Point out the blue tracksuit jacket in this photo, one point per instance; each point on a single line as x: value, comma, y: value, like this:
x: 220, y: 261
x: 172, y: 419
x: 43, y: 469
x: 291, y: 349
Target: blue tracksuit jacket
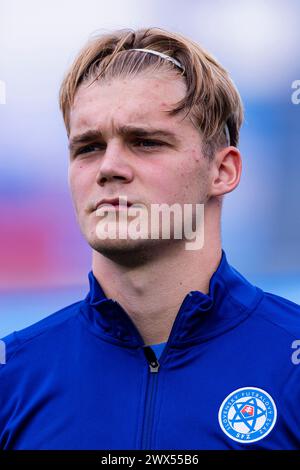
x: 227, y: 378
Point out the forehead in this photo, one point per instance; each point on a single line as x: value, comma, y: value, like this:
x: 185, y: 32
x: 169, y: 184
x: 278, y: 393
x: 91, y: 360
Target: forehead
x: 125, y: 101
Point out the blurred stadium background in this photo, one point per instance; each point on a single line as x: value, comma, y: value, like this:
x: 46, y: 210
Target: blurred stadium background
x: 44, y: 259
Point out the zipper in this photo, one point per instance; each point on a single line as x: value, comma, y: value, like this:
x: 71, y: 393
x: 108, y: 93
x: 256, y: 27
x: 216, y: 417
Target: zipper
x: 150, y: 397
x: 154, y: 366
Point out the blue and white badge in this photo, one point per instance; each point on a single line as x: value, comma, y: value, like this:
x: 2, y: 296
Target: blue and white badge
x: 247, y: 415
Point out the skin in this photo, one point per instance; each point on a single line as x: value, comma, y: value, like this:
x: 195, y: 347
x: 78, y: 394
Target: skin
x: 149, y: 278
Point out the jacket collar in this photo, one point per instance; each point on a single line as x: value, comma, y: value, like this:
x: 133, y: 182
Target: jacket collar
x: 230, y: 300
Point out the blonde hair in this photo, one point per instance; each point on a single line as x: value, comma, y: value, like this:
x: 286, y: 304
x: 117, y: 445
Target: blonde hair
x: 211, y: 99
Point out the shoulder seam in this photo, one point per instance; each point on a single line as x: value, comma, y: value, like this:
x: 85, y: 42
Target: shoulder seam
x: 248, y: 308
x: 27, y: 340
x: 268, y: 320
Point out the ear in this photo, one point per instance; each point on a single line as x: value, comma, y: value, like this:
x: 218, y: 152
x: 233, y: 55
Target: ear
x: 226, y: 171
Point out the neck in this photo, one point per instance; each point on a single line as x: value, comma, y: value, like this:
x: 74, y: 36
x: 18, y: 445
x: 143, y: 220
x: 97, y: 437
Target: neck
x: 152, y: 291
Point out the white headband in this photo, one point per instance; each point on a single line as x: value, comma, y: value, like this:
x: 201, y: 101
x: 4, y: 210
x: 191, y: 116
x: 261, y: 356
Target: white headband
x: 163, y: 56
x: 227, y: 133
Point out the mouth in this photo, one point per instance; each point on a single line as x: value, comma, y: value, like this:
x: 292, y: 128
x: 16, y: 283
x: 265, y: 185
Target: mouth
x: 118, y: 203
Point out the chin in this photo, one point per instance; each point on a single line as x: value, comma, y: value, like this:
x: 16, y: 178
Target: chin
x: 116, y: 245
x: 125, y: 252
x: 128, y: 252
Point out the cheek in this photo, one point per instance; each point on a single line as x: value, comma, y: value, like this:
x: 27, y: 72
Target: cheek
x: 173, y: 185
x: 72, y: 181
x: 78, y: 182
x: 190, y: 181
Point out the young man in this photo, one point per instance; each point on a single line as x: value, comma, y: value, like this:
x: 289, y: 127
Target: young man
x: 172, y: 348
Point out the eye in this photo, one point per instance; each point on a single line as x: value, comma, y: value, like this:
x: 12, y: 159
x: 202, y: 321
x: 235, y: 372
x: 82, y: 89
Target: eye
x: 148, y: 143
x: 89, y: 148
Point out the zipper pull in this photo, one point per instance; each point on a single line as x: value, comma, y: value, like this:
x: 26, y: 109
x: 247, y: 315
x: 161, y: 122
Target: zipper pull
x: 151, y: 358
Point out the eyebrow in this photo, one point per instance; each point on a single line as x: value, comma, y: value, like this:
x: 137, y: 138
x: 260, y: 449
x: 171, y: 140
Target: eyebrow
x: 94, y: 134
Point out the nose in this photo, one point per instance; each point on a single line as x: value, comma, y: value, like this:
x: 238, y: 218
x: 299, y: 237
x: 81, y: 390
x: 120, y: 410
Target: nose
x: 114, y: 165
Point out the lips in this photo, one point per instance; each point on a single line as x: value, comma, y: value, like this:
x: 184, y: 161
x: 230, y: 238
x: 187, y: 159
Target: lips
x: 118, y: 201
